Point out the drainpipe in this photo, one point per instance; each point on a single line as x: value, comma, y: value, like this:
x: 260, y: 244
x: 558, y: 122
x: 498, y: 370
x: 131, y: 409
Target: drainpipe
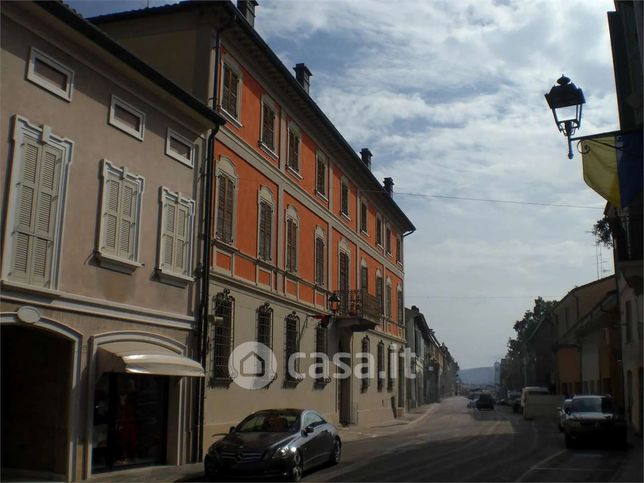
x: 205, y: 264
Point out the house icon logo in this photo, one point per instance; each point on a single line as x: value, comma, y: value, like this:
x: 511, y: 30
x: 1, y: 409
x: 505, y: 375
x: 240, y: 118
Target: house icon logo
x: 252, y: 365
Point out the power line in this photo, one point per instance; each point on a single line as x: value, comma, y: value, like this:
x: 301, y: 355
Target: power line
x: 480, y: 297
x: 513, y: 202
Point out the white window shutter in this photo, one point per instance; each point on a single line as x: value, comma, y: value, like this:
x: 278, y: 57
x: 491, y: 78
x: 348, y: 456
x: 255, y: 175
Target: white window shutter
x: 182, y: 240
x: 168, y: 233
x: 127, y: 221
x: 111, y: 213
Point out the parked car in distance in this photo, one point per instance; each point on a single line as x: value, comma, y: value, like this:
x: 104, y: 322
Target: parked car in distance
x: 484, y: 401
x: 514, y: 400
x: 472, y: 399
x: 280, y: 443
x: 563, y: 413
x: 594, y: 417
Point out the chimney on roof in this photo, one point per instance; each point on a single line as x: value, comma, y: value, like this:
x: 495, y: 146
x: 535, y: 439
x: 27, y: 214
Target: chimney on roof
x: 247, y: 9
x: 414, y: 308
x: 303, y: 75
x: 365, y: 154
x: 389, y: 186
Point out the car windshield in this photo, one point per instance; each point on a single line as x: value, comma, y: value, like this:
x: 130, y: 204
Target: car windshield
x: 592, y: 405
x: 287, y: 421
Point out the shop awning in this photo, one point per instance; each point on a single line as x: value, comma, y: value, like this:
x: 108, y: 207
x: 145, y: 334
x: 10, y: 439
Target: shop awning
x: 145, y: 358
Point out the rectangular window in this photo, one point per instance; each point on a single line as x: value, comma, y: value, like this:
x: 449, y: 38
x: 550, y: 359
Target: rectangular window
x: 344, y: 198
x: 179, y: 148
x: 365, y: 364
x: 230, y: 91
x: 120, y: 219
x: 268, y: 126
x: 293, y: 150
x: 127, y: 118
x: 398, y: 249
x: 401, y: 307
x: 265, y: 325
x: 343, y: 270
x: 378, y: 231
x: 388, y: 304
x: 225, y: 208
x: 176, y: 234
x: 291, y: 245
x: 39, y: 168
x: 319, y: 261
x: 50, y: 74
x: 320, y: 175
x: 290, y: 344
x: 363, y: 216
x: 321, y: 372
x: 388, y: 240
x: 222, y: 335
x: 628, y: 321
x: 380, y: 295
x: 265, y: 230
x: 364, y: 278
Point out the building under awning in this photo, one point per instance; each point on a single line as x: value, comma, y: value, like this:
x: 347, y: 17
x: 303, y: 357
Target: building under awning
x: 134, y: 357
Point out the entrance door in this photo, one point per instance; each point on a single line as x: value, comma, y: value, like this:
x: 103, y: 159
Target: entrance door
x: 344, y: 390
x: 130, y: 419
x: 36, y: 384
x: 401, y: 379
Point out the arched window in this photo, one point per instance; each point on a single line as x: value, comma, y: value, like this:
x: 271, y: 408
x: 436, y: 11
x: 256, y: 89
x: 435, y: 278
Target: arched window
x: 292, y: 239
x: 291, y: 345
x: 265, y: 325
x: 381, y: 366
x: 226, y: 200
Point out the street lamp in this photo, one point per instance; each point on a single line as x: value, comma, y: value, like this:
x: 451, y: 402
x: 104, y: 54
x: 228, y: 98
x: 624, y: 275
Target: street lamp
x: 566, y: 101
x: 334, y: 303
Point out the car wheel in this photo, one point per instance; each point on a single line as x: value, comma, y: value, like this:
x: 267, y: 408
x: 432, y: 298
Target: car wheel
x: 297, y: 467
x: 336, y: 452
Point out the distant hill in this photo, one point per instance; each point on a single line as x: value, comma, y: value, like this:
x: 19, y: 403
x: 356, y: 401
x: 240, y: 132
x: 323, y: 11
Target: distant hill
x: 477, y: 375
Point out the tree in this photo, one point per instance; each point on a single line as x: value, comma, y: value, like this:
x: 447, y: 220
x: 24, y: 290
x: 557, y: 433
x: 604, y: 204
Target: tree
x: 602, y: 233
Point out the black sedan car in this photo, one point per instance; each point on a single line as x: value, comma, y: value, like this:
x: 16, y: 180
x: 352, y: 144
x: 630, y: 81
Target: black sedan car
x: 484, y: 401
x: 274, y: 442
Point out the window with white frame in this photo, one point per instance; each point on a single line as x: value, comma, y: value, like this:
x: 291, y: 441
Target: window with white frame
x: 380, y: 292
x: 127, y: 118
x: 179, y: 147
x: 398, y: 249
x: 294, y: 140
x: 321, y: 174
x: 400, y: 305
x: 364, y: 276
x: 344, y: 197
x: 230, y: 89
x: 388, y: 240
x: 265, y: 228
x: 226, y: 200
x: 175, y: 248
x: 378, y: 230
x: 120, y: 218
x: 40, y: 167
x: 292, y: 229
x: 269, y: 125
x: 46, y: 72
x: 388, y: 298
x: 320, y: 257
x: 364, y: 217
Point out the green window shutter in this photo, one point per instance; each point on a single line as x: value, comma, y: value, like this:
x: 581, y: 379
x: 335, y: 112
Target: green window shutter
x: 182, y: 261
x: 228, y: 211
x: 127, y: 221
x: 111, y: 202
x: 36, y: 213
x: 169, y: 234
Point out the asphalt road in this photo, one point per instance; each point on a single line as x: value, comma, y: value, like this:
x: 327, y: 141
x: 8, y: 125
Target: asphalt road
x: 455, y: 443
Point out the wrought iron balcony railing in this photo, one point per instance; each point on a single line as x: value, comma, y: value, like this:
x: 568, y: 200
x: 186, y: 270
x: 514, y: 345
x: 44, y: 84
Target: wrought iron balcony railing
x: 359, y: 304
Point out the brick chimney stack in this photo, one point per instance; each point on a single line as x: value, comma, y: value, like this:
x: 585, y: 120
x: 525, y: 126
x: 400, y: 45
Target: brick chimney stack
x: 303, y: 75
x: 365, y: 154
x: 389, y: 186
x: 247, y: 9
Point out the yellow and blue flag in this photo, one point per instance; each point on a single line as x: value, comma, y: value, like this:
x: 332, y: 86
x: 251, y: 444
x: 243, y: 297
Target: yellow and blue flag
x: 612, y: 165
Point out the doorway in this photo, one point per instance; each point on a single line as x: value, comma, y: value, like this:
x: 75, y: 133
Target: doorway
x: 36, y: 384
x: 130, y: 421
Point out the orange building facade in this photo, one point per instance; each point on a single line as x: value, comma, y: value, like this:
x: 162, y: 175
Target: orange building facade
x: 297, y: 217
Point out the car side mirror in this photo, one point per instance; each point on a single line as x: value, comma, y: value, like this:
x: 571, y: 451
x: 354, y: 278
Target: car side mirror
x: 232, y: 429
x: 309, y: 429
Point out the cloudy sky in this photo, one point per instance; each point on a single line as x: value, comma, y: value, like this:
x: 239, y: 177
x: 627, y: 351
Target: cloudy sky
x: 448, y: 96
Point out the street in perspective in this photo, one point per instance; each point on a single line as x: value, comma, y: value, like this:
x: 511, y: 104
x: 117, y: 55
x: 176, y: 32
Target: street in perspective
x: 321, y: 240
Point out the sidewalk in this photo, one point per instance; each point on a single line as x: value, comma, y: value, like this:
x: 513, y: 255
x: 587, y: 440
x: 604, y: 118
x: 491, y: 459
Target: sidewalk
x: 194, y: 471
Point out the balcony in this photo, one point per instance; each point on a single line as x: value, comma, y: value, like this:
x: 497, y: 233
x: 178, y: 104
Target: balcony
x: 358, y: 310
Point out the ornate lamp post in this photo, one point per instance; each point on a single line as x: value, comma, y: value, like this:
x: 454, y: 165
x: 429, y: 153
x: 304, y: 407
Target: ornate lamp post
x: 566, y: 101
x: 334, y: 303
